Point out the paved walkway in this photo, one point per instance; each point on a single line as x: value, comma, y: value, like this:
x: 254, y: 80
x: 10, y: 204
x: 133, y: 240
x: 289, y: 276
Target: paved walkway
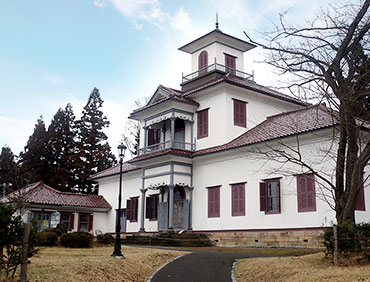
x: 201, y: 266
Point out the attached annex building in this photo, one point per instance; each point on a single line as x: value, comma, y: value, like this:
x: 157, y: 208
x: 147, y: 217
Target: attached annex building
x: 205, y: 162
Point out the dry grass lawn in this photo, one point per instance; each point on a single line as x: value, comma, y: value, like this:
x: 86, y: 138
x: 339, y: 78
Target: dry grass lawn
x: 62, y: 264
x: 304, y: 268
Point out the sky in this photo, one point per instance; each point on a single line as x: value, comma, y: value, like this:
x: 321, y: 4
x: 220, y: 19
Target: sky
x: 55, y: 52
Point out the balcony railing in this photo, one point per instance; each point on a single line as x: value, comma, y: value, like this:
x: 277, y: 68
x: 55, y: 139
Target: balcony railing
x: 187, y: 146
x: 214, y: 67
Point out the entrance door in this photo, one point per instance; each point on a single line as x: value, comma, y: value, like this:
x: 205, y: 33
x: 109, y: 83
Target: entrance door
x: 180, y: 209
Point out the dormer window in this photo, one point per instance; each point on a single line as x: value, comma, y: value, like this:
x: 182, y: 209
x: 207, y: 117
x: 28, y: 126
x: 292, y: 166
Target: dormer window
x: 203, y: 62
x: 230, y: 64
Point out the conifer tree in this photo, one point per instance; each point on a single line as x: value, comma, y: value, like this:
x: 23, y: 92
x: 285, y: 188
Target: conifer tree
x: 94, y: 152
x: 62, y: 149
x: 8, y: 169
x: 34, y: 160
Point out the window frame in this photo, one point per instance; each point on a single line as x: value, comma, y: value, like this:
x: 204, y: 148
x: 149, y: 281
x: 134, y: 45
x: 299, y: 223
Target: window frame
x: 215, y: 212
x: 264, y: 198
x: 71, y: 220
x: 307, y: 178
x: 202, y: 123
x: 237, y: 201
x: 238, y: 104
x: 89, y: 222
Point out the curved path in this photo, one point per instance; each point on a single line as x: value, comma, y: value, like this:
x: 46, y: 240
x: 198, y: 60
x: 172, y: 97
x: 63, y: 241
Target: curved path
x: 200, y: 266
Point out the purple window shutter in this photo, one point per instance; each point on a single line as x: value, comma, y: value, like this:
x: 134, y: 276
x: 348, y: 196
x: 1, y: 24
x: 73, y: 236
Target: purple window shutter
x: 200, y: 125
x: 301, y: 192
x: 148, y: 207
x: 210, y: 202
x: 128, y: 209
x: 205, y: 125
x: 263, y: 196
x: 311, y: 193
x: 91, y: 220
x: 235, y: 200
x: 217, y: 202
x: 242, y: 199
x: 150, y: 136
x: 236, y: 112
x: 242, y: 114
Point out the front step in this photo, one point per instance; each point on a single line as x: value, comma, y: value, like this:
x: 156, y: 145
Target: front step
x: 169, y: 239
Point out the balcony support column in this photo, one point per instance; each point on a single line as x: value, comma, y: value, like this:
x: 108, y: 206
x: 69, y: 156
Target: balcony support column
x: 145, y: 137
x: 192, y: 135
x: 173, y: 130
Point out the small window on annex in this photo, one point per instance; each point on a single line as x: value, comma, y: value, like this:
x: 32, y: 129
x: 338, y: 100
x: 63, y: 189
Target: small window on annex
x: 306, y: 194
x: 85, y: 222
x: 68, y: 219
x: 270, y: 196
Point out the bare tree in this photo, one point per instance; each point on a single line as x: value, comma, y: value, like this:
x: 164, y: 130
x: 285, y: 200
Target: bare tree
x: 131, y: 131
x: 327, y: 60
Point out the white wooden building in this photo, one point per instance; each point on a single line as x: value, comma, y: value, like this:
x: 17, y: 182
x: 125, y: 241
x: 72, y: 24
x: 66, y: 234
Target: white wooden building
x: 202, y: 163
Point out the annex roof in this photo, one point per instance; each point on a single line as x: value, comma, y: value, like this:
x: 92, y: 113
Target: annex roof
x: 40, y: 193
x: 217, y: 35
x: 126, y: 167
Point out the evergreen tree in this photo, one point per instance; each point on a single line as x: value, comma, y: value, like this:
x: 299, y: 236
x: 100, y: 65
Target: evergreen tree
x: 8, y: 170
x: 62, y: 149
x: 94, y: 152
x: 34, y: 160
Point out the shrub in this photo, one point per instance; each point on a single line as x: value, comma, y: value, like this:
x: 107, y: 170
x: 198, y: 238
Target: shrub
x: 45, y: 238
x: 351, y: 238
x: 105, y: 239
x: 54, y: 230
x: 77, y: 240
x: 63, y: 227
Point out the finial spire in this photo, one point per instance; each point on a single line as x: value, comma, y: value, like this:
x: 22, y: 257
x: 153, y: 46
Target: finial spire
x: 216, y: 20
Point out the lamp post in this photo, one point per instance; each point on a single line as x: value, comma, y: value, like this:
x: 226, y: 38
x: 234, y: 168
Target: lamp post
x: 117, y: 244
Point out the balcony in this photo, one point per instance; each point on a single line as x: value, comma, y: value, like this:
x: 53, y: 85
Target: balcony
x: 213, y: 68
x: 181, y: 145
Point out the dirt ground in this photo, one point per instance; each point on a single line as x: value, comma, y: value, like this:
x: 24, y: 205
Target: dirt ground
x: 307, y: 268
x: 62, y: 264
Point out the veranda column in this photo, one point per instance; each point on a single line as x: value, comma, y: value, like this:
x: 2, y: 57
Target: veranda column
x: 145, y: 137
x: 172, y: 131
x: 170, y: 216
x: 142, y: 228
x: 191, y: 208
x: 192, y: 135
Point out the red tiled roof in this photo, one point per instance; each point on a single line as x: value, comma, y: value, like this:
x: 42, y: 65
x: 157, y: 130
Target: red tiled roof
x: 161, y: 153
x: 39, y: 193
x: 126, y: 167
x: 173, y: 94
x: 280, y: 125
x: 246, y: 83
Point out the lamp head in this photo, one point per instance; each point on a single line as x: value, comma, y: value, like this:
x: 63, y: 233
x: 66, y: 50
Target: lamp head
x: 121, y: 150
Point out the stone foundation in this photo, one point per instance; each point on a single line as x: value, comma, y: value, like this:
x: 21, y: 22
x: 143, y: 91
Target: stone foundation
x: 298, y: 238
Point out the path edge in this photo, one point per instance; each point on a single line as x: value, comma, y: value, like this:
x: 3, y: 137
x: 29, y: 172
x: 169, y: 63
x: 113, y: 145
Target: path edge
x: 233, y: 277
x: 163, y: 265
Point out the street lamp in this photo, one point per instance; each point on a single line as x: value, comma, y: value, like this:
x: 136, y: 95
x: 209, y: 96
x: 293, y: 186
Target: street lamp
x: 117, y: 244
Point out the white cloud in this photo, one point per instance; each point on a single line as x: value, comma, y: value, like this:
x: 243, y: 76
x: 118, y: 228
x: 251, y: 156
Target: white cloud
x: 181, y: 22
x: 52, y: 78
x: 146, y: 10
x: 101, y: 4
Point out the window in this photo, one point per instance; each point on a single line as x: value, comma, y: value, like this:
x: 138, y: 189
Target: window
x: 203, y: 62
x: 230, y: 62
x: 43, y: 219
x: 360, y: 204
x: 306, y: 193
x: 85, y: 222
x: 238, y: 199
x: 202, y: 123
x: 270, y: 196
x: 240, y: 113
x: 131, y: 209
x: 154, y: 135
x: 68, y: 219
x: 214, y: 201
x: 152, y: 207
